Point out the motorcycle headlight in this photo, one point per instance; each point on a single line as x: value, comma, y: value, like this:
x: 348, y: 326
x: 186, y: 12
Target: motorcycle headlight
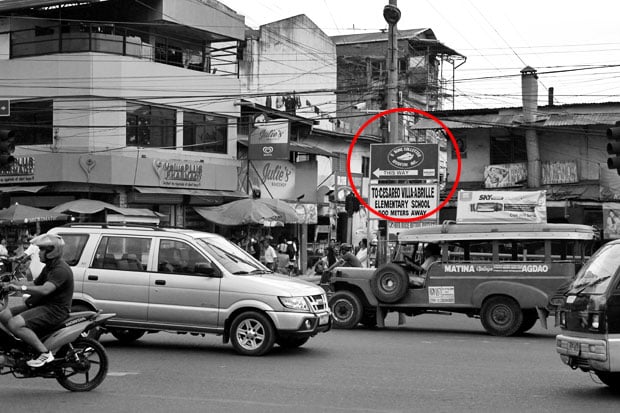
x: 294, y: 303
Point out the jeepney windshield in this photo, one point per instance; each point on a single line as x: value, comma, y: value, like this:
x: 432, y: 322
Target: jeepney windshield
x: 595, y: 276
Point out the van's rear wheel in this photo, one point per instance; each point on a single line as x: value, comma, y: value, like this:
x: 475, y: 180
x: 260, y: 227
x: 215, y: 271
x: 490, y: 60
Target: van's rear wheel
x: 127, y: 335
x: 346, y: 309
x: 501, y: 316
x: 529, y: 320
x: 610, y: 379
x: 390, y: 283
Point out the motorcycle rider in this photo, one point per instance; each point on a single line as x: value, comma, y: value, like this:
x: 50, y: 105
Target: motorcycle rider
x: 49, y: 302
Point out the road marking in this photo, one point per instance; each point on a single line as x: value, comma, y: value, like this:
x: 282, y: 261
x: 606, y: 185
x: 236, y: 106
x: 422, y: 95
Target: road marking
x: 122, y: 373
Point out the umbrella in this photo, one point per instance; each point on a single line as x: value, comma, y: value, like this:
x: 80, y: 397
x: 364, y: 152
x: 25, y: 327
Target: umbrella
x: 92, y: 206
x: 250, y: 211
x: 23, y: 214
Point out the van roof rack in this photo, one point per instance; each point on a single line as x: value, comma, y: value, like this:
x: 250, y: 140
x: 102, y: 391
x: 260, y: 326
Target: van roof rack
x: 112, y: 225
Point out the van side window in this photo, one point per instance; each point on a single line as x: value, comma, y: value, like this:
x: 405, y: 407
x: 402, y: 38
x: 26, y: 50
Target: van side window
x: 178, y: 257
x: 74, y: 245
x: 122, y: 253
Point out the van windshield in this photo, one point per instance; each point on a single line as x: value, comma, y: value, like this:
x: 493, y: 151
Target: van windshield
x: 595, y: 276
x: 232, y: 257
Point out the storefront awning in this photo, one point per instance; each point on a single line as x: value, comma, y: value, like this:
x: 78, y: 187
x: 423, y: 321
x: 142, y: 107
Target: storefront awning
x: 190, y: 191
x: 21, y: 188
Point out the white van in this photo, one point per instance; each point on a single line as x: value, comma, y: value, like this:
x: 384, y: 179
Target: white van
x: 185, y: 281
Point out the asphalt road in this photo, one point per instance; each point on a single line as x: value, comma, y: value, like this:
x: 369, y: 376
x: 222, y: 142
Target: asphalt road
x: 432, y: 363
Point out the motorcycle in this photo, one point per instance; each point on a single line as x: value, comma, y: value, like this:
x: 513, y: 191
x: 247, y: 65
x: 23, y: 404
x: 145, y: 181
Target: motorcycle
x: 80, y: 363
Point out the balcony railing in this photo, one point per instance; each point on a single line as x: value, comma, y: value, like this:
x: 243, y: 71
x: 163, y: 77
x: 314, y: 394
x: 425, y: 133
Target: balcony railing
x: 113, y: 39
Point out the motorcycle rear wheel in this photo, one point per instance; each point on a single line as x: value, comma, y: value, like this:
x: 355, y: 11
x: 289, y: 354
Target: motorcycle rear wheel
x: 84, y: 367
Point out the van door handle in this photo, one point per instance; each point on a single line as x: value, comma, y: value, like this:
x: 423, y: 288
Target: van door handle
x: 160, y: 282
x: 93, y: 278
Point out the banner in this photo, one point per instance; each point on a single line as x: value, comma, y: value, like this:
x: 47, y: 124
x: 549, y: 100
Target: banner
x: 611, y: 219
x: 506, y: 175
x: 501, y: 207
x: 559, y: 172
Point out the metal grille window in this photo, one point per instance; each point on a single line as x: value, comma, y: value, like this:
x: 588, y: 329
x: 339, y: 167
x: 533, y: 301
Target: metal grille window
x: 339, y: 163
x: 151, y: 126
x: 32, y: 121
x: 507, y: 149
x: 204, y: 133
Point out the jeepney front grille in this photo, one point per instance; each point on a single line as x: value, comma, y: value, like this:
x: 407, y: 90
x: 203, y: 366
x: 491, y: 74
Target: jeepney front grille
x: 318, y: 303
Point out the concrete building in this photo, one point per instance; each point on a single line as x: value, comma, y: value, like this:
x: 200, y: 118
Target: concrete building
x: 126, y: 102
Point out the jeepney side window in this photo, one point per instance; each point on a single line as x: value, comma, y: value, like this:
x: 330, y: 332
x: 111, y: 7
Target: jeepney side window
x: 530, y: 250
x: 508, y: 250
x: 481, y: 251
x: 456, y: 252
x: 562, y: 250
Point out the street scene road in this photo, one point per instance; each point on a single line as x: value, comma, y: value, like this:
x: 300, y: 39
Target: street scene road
x: 431, y: 363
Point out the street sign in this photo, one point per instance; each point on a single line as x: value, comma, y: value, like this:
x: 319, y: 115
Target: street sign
x: 404, y: 200
x: 5, y: 107
x: 404, y: 161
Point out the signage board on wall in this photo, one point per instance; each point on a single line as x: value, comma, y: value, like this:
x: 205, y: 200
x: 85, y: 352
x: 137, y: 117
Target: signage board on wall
x: 21, y: 171
x: 403, y: 200
x: 269, y: 140
x: 404, y: 161
x: 178, y: 173
x: 501, y: 207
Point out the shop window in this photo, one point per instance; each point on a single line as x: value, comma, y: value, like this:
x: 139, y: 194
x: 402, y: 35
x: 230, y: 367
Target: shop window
x: 205, y: 133
x: 32, y: 122
x: 151, y: 126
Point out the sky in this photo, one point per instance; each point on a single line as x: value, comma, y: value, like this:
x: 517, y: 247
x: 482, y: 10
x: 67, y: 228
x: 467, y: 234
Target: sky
x: 574, y: 45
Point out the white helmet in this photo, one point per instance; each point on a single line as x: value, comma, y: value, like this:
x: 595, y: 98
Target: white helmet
x: 52, y: 244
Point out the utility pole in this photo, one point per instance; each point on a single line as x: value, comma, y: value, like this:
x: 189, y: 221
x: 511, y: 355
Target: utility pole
x: 391, y: 14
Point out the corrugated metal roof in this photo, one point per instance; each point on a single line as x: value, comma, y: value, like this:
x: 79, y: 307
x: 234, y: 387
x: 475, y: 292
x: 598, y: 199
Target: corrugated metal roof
x: 9, y: 5
x: 516, y: 120
x: 378, y: 36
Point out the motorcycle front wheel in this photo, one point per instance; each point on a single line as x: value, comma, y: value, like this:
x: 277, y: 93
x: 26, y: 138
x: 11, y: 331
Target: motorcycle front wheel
x: 84, y: 365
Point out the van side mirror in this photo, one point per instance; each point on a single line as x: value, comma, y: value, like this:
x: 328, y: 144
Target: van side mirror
x: 207, y: 269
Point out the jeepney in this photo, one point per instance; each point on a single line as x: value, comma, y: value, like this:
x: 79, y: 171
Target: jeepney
x: 503, y: 274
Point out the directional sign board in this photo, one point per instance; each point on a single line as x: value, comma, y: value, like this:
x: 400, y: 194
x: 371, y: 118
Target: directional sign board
x: 404, y: 161
x: 404, y: 200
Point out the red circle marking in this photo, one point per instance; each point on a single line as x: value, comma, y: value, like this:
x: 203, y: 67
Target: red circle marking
x: 458, y: 169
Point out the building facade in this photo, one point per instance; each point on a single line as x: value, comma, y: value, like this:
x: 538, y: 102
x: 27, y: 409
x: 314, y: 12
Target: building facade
x: 125, y: 102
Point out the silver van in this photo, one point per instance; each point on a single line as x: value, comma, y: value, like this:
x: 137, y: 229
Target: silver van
x: 185, y: 281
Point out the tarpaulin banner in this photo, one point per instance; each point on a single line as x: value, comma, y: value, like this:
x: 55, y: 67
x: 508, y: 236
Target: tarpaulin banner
x: 501, y: 207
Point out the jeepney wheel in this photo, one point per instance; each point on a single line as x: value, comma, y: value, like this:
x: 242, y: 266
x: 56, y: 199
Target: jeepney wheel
x: 530, y: 317
x: 501, y: 316
x: 390, y: 283
x: 346, y: 309
x: 610, y: 379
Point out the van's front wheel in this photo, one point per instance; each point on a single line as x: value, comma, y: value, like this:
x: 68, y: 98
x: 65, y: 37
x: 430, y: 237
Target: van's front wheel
x: 501, y: 316
x: 252, y: 334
